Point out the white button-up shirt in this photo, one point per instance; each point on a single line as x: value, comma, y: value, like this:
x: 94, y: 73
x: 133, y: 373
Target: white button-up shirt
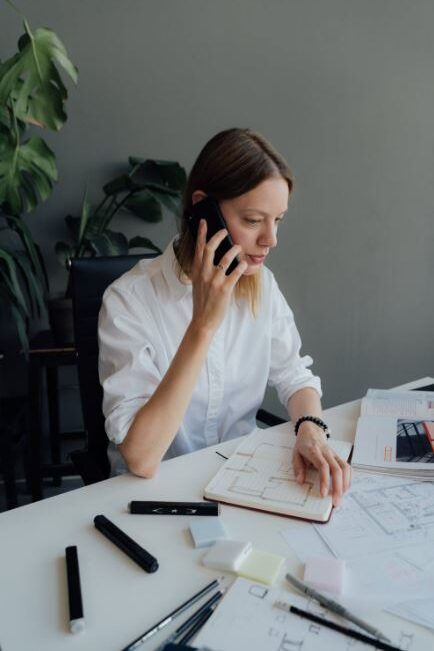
x: 143, y: 319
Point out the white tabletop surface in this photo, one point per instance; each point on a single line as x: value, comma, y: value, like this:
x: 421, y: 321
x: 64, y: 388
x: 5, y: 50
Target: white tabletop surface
x: 120, y: 600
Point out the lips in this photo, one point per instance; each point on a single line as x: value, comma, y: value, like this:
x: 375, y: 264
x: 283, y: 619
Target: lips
x: 256, y: 259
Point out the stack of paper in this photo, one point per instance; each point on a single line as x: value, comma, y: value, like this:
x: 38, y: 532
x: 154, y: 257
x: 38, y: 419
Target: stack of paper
x: 395, y: 434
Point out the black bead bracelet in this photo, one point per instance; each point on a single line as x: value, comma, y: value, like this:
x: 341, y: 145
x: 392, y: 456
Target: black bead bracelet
x: 312, y: 419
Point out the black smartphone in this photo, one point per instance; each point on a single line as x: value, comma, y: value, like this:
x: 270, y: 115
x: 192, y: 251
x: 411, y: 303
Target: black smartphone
x: 209, y: 210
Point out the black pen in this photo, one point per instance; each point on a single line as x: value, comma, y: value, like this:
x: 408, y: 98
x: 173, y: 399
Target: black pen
x: 196, y: 626
x: 76, y: 615
x: 171, y: 616
x: 129, y: 546
x: 349, y: 632
x: 174, y: 508
x: 191, y: 621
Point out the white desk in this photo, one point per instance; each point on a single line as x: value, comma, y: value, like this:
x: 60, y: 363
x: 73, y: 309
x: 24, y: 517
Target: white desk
x: 120, y: 600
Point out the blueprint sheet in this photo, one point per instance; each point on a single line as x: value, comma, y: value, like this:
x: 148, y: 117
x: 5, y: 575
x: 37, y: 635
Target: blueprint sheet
x: 385, y: 531
x: 247, y: 619
x: 381, y: 514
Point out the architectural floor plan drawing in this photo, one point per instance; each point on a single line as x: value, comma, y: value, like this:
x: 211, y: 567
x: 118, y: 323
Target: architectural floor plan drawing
x: 260, y: 475
x: 265, y: 472
x: 248, y: 618
x: 381, y: 513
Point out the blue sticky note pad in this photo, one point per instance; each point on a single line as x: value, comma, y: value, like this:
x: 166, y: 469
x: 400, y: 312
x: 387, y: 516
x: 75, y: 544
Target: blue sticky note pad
x: 205, y: 531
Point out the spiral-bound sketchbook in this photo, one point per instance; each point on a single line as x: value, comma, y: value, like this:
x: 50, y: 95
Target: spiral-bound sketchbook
x: 259, y: 475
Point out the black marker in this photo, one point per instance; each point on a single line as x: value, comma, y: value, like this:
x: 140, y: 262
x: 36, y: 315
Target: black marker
x: 129, y: 546
x: 76, y: 616
x: 174, y: 508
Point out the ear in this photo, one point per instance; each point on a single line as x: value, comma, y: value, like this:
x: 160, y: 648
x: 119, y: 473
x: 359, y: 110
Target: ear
x: 197, y: 196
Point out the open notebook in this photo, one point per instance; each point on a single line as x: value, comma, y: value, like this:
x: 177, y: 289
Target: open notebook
x: 259, y: 475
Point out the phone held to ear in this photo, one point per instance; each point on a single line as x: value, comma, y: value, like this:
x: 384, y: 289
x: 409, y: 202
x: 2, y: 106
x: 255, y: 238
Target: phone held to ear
x: 209, y: 210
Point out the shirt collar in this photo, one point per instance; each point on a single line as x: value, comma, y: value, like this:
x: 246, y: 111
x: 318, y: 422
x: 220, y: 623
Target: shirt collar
x: 169, y: 269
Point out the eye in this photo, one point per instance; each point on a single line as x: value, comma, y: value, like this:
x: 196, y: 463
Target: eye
x: 252, y: 222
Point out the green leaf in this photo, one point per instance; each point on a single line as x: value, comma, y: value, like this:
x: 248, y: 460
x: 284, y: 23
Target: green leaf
x: 168, y: 174
x: 121, y: 183
x: 8, y: 272
x: 173, y: 203
x: 110, y: 243
x: 38, y: 267
x: 173, y: 174
x: 34, y: 288
x: 64, y: 253
x: 144, y: 205
x: 140, y: 242
x: 20, y: 322
x: 26, y: 170
x: 31, y: 77
x: 85, y: 214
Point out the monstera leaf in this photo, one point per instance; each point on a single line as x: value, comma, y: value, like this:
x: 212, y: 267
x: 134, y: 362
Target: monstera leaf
x: 31, y: 78
x: 31, y: 92
x: 110, y: 243
x: 27, y: 173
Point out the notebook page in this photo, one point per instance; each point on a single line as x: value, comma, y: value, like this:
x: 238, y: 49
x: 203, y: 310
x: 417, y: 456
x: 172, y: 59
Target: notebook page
x: 260, y: 475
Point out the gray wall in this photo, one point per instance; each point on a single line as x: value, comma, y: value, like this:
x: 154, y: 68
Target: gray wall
x: 343, y: 88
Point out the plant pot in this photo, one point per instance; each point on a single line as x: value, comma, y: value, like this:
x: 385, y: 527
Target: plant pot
x: 61, y: 320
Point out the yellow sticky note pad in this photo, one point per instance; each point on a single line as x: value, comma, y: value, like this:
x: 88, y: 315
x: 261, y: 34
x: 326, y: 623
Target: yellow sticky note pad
x: 261, y: 566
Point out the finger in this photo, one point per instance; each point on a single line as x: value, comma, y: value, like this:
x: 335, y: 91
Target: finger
x: 299, y: 467
x: 236, y: 274
x: 320, y: 463
x: 336, y: 476
x: 346, y: 473
x: 228, y: 257
x: 200, y: 242
x: 211, y: 246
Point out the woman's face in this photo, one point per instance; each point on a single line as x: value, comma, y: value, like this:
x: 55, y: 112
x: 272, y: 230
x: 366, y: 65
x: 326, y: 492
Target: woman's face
x: 253, y: 219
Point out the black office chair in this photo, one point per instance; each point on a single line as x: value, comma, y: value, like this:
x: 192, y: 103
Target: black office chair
x: 90, y: 278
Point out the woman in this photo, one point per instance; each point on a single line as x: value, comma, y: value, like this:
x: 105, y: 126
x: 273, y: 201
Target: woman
x: 186, y: 351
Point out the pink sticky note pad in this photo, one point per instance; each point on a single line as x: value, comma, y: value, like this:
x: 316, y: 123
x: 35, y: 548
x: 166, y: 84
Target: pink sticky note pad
x: 325, y: 573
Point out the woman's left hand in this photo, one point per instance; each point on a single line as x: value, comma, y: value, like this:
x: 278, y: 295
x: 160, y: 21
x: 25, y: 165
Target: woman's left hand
x: 311, y: 449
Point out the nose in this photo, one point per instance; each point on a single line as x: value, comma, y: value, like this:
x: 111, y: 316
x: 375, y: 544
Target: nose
x: 268, y: 237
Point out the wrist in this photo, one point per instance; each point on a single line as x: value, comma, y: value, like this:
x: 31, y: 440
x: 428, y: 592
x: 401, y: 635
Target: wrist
x: 200, y: 332
x: 311, y: 430
x: 312, y: 424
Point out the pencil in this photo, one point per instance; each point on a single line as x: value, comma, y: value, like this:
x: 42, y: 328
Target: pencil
x: 197, y: 625
x: 375, y: 642
x: 171, y: 616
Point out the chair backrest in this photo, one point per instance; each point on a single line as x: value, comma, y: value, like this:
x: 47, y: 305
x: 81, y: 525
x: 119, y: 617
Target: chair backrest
x: 90, y: 278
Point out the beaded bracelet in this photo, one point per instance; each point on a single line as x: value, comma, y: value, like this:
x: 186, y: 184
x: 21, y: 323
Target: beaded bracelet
x: 312, y: 419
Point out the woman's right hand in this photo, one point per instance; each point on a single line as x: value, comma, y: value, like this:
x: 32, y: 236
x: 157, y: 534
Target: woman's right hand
x: 212, y: 288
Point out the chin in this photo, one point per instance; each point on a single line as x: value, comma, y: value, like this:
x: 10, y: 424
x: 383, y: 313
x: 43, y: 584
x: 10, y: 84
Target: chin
x: 251, y: 270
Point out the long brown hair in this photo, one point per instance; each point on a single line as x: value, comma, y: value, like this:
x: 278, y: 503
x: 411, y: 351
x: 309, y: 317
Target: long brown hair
x: 232, y: 163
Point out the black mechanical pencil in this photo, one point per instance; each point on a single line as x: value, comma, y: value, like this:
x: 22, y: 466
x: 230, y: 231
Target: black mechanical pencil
x: 76, y: 615
x: 129, y: 546
x: 375, y: 642
x: 174, y: 508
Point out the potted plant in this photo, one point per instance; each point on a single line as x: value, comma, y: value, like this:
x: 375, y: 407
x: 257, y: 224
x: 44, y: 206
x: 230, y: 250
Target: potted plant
x: 32, y: 95
x: 146, y: 187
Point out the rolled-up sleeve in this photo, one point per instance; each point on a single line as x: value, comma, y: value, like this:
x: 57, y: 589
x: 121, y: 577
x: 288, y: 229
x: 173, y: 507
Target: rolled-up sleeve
x: 127, y: 368
x: 289, y: 372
